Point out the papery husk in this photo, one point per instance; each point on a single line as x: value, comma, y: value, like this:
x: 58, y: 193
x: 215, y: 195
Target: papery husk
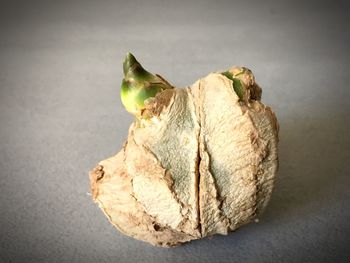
x: 203, y: 163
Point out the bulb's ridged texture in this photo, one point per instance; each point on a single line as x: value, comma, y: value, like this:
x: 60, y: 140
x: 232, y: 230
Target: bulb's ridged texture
x: 203, y: 163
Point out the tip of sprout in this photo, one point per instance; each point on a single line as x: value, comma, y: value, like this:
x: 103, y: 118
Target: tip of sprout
x: 129, y: 61
x: 129, y: 56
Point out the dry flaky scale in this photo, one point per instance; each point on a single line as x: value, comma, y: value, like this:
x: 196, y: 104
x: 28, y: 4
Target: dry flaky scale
x: 198, y: 161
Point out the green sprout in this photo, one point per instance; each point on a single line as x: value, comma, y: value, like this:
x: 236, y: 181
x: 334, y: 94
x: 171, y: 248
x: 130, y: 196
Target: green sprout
x: 236, y: 83
x: 139, y: 85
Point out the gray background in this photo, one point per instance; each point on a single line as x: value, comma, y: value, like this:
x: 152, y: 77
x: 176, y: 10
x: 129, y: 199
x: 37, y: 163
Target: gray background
x: 60, y: 114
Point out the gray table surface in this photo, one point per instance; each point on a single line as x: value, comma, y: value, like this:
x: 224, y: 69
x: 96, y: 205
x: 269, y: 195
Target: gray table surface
x: 60, y: 114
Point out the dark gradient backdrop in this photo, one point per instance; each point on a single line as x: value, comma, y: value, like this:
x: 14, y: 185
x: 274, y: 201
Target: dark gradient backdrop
x: 60, y: 113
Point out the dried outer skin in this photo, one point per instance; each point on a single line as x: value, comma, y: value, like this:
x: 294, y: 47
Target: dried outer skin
x: 112, y: 189
x: 172, y: 137
x: 238, y: 151
x: 158, y: 169
x: 204, y: 164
